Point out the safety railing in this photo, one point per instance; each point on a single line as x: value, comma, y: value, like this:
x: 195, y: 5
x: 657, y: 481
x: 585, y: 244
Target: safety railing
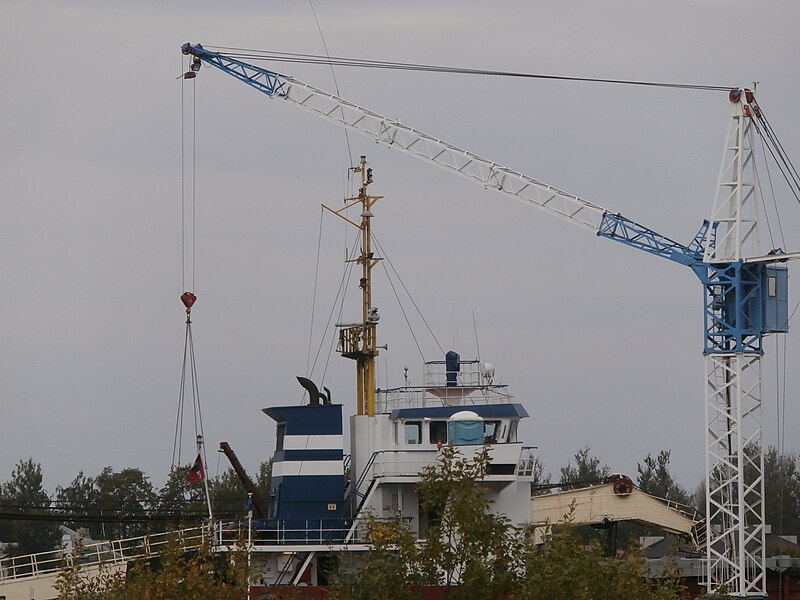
x: 527, y: 462
x: 110, y: 552
x: 292, y: 532
x: 422, y: 397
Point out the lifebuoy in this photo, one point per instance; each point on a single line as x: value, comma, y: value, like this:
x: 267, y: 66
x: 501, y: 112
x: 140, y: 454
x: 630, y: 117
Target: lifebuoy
x: 623, y: 486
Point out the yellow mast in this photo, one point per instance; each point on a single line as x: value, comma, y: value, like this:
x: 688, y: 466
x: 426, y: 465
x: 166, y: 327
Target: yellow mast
x: 359, y: 342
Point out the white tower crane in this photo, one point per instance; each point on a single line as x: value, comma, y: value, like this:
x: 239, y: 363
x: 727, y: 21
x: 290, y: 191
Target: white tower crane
x: 746, y: 296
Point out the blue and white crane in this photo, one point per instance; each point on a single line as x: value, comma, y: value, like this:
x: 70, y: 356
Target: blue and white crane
x: 745, y: 294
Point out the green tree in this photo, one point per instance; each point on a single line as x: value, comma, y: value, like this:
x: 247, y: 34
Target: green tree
x: 125, y: 498
x: 467, y: 549
x: 175, y: 575
x: 587, y: 470
x: 80, y: 498
x: 181, y: 502
x: 25, y: 496
x: 478, y: 555
x: 391, y: 570
x: 655, y: 479
x: 264, y: 480
x: 782, y: 491
x: 541, y: 482
x: 565, y: 566
x: 228, y: 493
x: 467, y: 544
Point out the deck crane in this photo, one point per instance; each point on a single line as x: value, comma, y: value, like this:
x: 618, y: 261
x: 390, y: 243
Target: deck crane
x: 745, y: 297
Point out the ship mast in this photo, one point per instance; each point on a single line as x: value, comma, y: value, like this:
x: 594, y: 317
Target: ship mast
x: 359, y: 341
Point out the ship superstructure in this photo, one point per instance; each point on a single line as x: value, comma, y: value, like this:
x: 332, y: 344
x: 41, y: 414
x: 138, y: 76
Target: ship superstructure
x: 322, y: 498
x: 320, y: 495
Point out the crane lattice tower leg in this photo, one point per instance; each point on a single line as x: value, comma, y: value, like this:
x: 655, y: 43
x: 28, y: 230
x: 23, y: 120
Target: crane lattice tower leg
x: 733, y: 350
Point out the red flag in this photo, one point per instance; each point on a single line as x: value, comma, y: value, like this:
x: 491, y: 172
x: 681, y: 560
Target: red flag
x: 197, y: 472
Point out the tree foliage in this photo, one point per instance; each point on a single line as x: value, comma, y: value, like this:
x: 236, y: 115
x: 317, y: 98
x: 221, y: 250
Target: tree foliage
x: 655, y: 479
x: 180, y: 501
x: 24, y: 494
x: 392, y: 567
x: 466, y: 542
x: 564, y: 566
x: 116, y: 504
x: 587, y: 470
x: 541, y: 483
x: 81, y: 499
x: 176, y: 575
x: 479, y: 555
x: 126, y: 496
x: 782, y: 491
x: 228, y: 493
x: 264, y: 479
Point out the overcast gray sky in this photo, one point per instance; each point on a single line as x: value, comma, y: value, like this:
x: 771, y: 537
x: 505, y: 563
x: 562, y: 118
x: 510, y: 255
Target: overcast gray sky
x: 602, y: 344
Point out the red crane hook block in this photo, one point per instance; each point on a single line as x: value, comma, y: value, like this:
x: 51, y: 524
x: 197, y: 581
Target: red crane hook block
x: 188, y: 299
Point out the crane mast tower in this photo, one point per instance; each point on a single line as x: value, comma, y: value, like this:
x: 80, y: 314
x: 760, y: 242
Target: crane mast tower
x: 745, y: 300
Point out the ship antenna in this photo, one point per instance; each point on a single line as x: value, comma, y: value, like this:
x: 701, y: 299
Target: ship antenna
x: 475, y: 329
x: 359, y: 341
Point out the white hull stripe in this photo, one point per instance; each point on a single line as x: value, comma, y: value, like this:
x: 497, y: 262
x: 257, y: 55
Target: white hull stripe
x: 312, y: 442
x: 307, y: 467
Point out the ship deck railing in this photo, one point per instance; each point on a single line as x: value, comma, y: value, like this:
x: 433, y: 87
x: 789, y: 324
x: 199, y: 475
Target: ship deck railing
x: 99, y: 553
x: 392, y: 399
x: 468, y: 373
x: 286, y: 532
x: 527, y: 462
x: 470, y: 383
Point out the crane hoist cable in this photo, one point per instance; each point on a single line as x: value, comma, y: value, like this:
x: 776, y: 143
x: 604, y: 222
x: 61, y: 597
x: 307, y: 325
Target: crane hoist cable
x: 782, y: 160
x: 309, y: 367
x: 333, y: 74
x: 198, y: 471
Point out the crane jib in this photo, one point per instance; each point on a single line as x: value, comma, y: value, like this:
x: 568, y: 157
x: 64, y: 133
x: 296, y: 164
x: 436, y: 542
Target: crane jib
x: 450, y: 157
x: 621, y: 229
x: 741, y: 321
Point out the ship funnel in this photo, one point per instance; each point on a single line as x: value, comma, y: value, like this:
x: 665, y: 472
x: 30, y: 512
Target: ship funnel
x: 314, y: 395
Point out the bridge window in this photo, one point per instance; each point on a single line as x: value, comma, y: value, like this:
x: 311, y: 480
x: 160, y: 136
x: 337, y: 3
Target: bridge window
x: 438, y: 432
x: 280, y: 433
x: 491, y: 429
x: 413, y: 432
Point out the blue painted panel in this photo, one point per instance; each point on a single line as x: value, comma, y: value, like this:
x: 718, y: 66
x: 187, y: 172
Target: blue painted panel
x: 299, y: 455
x: 307, y: 510
x: 734, y: 307
x: 312, y: 487
x: 776, y: 299
x: 309, y: 419
x: 453, y: 365
x: 308, y: 497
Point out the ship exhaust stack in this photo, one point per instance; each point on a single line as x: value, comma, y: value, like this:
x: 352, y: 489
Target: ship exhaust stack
x: 314, y: 395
